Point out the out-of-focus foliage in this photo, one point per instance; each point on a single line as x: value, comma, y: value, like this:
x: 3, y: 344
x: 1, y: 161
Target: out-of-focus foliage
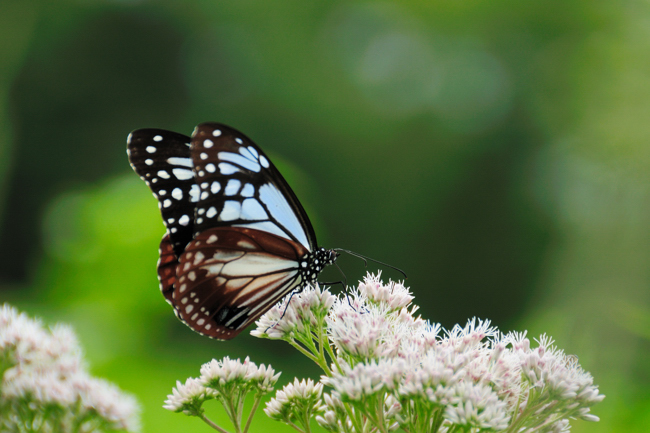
x: 496, y: 151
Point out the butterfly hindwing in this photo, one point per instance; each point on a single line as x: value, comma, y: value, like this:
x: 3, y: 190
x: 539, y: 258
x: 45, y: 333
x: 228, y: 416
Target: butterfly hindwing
x: 240, y: 187
x: 229, y: 276
x: 162, y: 159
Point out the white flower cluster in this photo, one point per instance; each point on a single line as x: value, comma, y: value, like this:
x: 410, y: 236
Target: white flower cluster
x: 228, y: 381
x: 44, y: 385
x: 391, y: 369
x: 296, y: 403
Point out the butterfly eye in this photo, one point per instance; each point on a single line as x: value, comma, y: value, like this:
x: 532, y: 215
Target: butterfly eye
x: 238, y: 240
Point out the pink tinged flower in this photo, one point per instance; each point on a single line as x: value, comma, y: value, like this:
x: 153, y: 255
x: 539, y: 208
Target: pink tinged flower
x: 275, y: 324
x: 295, y: 314
x: 46, y: 368
x: 361, y: 334
x: 393, y: 295
x: 367, y: 379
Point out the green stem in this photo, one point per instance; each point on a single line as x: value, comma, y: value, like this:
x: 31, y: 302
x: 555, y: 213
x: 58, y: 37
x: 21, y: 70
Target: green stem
x: 258, y: 398
x: 212, y: 424
x: 295, y: 427
x: 316, y: 360
x: 330, y: 351
x: 306, y: 422
x: 355, y: 421
x: 233, y: 404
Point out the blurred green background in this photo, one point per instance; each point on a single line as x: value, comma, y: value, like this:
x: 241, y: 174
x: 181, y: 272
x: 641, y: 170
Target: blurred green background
x: 497, y: 151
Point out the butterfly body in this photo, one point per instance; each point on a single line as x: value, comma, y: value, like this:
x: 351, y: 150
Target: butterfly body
x: 238, y: 239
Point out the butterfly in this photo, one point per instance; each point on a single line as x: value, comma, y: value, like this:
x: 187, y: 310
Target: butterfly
x: 238, y: 240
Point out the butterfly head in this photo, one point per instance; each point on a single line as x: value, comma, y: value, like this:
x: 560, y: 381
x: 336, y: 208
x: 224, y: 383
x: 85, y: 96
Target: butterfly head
x: 312, y: 264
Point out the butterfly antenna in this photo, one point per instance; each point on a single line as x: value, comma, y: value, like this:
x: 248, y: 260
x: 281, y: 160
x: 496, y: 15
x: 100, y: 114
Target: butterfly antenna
x: 365, y: 260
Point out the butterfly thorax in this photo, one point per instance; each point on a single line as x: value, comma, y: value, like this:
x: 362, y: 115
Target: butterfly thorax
x: 313, y: 263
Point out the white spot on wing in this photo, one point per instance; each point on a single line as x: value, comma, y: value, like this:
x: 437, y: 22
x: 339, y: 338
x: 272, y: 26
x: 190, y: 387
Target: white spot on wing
x: 207, y: 143
x: 216, y: 187
x: 182, y: 173
x: 163, y: 174
x: 231, y: 211
x: 216, y: 132
x: 210, y: 168
x: 185, y: 162
x: 227, y: 169
x: 151, y: 149
x: 184, y: 220
x: 157, y: 138
x: 248, y: 191
x: 211, y: 212
x: 248, y: 164
x: 264, y: 161
x: 177, y: 193
x: 194, y: 193
x: 232, y: 187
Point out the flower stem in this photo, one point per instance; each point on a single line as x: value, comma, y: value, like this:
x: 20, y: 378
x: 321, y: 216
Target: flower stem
x: 209, y: 422
x: 295, y: 427
x: 258, y: 398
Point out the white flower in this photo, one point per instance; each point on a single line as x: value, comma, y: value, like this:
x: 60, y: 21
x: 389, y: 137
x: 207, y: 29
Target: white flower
x: 475, y: 405
x: 115, y: 406
x: 41, y: 386
x: 294, y: 400
x: 187, y: 397
x: 329, y: 421
x: 220, y: 373
x: 262, y: 377
x: 225, y: 375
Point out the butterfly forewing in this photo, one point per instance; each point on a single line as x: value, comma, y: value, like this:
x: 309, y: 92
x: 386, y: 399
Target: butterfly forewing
x: 240, y: 187
x: 162, y: 159
x: 229, y: 276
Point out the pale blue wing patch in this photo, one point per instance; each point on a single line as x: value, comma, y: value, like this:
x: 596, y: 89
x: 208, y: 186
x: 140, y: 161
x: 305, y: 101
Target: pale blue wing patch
x: 281, y: 211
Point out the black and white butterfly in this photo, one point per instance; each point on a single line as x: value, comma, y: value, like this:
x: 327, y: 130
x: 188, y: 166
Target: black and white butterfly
x: 238, y: 240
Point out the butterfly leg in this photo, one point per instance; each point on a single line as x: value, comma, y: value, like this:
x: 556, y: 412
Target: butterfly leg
x: 295, y: 291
